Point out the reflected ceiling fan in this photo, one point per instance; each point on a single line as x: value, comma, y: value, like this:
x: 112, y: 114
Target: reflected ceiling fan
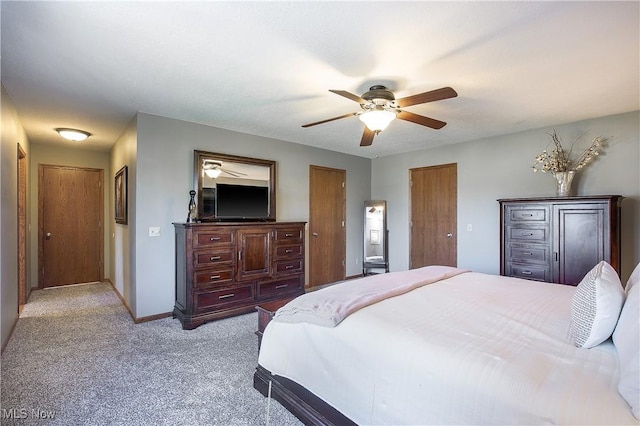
x: 213, y: 169
x: 380, y: 107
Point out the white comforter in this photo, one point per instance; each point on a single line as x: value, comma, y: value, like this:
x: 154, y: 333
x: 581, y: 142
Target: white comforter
x: 472, y: 349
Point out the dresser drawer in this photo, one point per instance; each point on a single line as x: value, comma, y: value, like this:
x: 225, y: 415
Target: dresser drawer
x: 279, y: 287
x: 204, y: 300
x: 527, y: 253
x: 288, y: 266
x: 208, y: 258
x: 529, y: 214
x: 530, y: 272
x: 212, y: 276
x: 289, y: 250
x: 284, y: 235
x: 211, y: 238
x: 539, y: 235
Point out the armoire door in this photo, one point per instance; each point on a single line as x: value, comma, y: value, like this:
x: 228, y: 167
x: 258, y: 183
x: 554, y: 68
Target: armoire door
x: 579, y: 240
x: 254, y: 253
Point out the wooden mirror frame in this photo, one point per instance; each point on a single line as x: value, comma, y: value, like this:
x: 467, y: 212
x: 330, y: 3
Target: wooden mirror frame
x: 198, y: 172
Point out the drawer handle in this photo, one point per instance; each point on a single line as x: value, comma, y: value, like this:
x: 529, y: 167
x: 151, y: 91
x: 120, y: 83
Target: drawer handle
x: 528, y: 253
x: 526, y: 272
x: 215, y: 277
x: 282, y: 286
x: 226, y: 296
x: 214, y: 258
x: 288, y: 267
x: 288, y: 251
x: 288, y: 235
x: 214, y: 239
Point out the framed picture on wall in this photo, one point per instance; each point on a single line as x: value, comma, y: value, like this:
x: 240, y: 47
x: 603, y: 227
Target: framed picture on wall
x: 120, y: 201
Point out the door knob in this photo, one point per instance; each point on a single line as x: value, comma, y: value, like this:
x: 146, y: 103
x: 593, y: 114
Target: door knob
x: 48, y: 236
x: 449, y: 235
x: 315, y: 234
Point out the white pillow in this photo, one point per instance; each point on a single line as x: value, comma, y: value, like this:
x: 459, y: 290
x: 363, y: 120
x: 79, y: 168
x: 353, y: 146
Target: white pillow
x: 626, y: 338
x: 596, y: 306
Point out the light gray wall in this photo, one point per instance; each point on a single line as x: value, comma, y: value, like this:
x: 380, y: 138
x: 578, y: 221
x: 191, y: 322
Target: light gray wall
x: 12, y: 135
x: 500, y: 167
x: 64, y: 156
x: 122, y: 236
x: 164, y: 177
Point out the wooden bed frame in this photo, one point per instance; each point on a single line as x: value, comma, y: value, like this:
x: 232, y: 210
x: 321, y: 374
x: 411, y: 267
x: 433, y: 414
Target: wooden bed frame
x: 306, y: 406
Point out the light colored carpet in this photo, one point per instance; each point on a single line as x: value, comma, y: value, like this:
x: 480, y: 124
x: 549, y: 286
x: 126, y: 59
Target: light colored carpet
x: 76, y: 354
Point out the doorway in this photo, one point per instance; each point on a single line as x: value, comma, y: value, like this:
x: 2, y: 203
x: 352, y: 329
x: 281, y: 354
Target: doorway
x: 433, y: 220
x: 327, y: 211
x: 22, y: 228
x: 70, y: 221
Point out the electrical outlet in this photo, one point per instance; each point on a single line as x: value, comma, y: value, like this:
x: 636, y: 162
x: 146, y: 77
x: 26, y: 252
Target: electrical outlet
x: 154, y: 231
x: 357, y: 261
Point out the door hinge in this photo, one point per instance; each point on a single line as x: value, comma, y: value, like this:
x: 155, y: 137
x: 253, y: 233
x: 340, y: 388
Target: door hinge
x: 343, y: 184
x: 343, y: 223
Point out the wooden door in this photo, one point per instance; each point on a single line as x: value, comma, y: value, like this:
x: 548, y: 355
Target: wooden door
x: 70, y: 217
x: 433, y: 221
x: 327, y: 241
x: 254, y: 257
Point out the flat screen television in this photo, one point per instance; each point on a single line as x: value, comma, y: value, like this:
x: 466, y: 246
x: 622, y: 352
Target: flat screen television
x: 242, y: 201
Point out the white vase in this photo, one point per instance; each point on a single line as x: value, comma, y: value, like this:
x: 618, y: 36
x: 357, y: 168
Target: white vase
x: 563, y: 183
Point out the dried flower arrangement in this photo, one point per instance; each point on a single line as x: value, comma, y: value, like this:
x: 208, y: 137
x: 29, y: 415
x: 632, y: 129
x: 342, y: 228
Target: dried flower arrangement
x: 559, y: 160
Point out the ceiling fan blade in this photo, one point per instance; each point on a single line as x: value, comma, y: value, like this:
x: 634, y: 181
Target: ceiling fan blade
x: 330, y: 119
x: 233, y: 173
x: 367, y: 137
x: 420, y: 119
x: 423, y: 98
x: 348, y: 95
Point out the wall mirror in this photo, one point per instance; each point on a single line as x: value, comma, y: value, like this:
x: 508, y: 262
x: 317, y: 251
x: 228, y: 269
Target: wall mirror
x: 376, y: 252
x: 233, y: 188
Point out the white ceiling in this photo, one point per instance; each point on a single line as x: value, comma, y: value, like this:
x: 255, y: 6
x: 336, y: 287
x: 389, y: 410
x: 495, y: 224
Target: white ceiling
x: 265, y: 68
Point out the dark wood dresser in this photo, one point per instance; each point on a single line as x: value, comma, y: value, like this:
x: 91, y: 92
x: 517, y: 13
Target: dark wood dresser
x: 558, y: 240
x: 225, y: 269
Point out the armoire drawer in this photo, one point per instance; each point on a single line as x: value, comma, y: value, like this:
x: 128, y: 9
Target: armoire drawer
x: 529, y: 214
x: 208, y: 258
x: 532, y: 234
x: 205, y: 300
x: 530, y: 272
x: 280, y: 287
x: 213, y: 277
x: 288, y: 266
x: 528, y: 253
x: 209, y: 238
x: 284, y: 235
x: 288, y: 250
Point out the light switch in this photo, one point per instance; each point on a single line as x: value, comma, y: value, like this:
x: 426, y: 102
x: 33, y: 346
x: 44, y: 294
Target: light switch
x: 154, y: 231
x: 469, y: 227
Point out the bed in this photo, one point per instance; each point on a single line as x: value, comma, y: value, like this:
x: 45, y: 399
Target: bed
x: 456, y: 347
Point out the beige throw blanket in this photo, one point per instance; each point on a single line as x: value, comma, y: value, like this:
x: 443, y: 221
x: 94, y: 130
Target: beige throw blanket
x: 329, y: 306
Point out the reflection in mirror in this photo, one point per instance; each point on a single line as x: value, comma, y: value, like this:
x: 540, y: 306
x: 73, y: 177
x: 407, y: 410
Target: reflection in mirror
x: 234, y: 188
x: 375, y: 237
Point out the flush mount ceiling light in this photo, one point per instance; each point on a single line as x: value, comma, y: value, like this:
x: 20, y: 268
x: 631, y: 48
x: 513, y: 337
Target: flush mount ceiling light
x: 73, y: 134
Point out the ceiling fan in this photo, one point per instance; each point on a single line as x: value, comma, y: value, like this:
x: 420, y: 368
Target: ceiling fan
x: 213, y: 169
x: 380, y: 107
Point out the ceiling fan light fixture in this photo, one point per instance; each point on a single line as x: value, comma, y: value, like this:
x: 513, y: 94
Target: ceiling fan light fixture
x: 378, y: 119
x: 213, y: 173
x: 73, y: 134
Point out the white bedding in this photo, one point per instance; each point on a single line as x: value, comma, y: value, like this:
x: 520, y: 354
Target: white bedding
x: 472, y: 349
